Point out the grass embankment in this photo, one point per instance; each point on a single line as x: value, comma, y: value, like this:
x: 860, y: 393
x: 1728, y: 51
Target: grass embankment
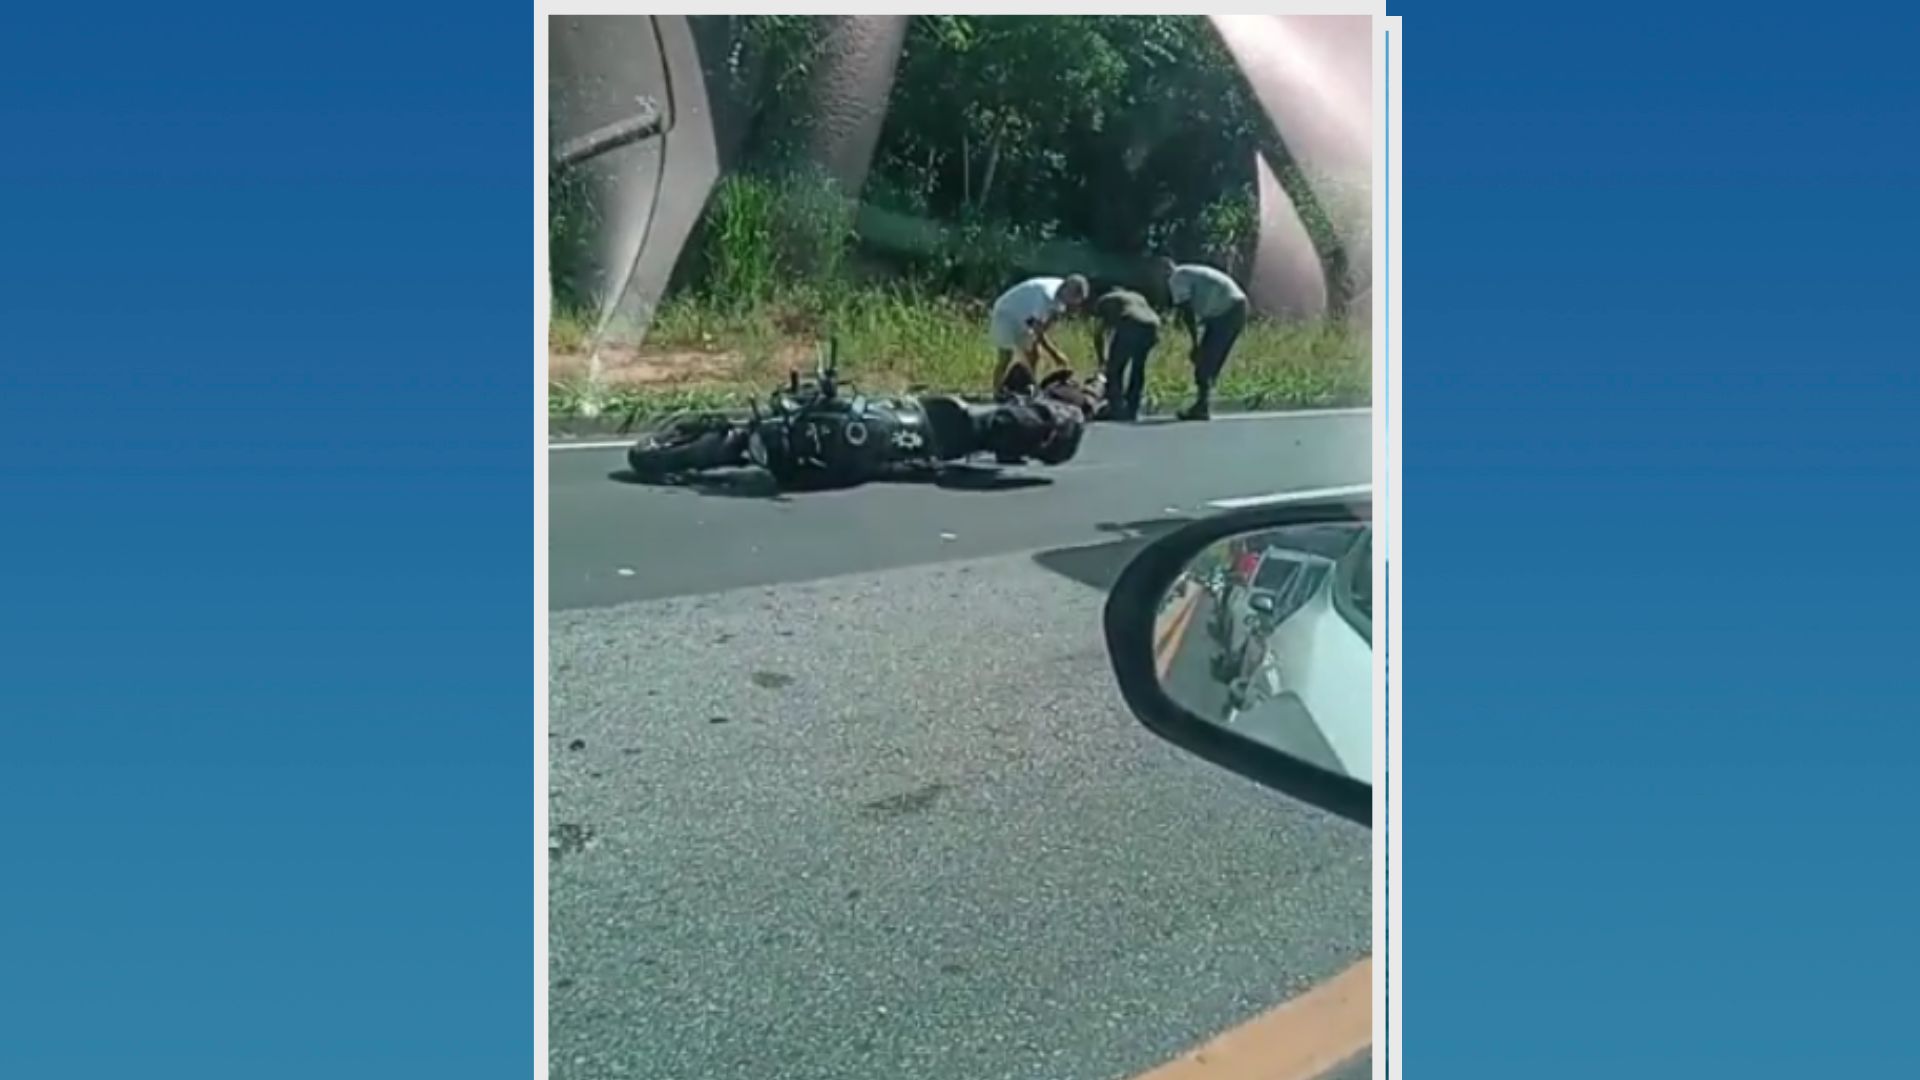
x: 697, y: 355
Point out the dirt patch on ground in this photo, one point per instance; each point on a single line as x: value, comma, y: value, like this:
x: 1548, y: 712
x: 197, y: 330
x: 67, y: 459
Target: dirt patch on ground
x: 654, y: 368
x: 624, y: 366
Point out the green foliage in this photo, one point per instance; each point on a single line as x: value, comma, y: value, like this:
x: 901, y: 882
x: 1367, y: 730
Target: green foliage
x: 568, y: 328
x: 1228, y: 227
x: 1128, y: 135
x: 896, y: 338
x: 1118, y: 130
x: 762, y: 233
x: 570, y: 229
x: 979, y: 259
x: 770, y: 64
x: 1112, y: 136
x: 814, y: 226
x: 742, y: 254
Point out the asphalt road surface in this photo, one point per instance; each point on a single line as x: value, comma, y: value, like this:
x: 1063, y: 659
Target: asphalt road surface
x: 840, y: 785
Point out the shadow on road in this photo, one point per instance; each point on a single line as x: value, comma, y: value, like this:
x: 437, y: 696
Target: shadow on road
x: 1099, y: 565
x: 975, y: 478
x: 757, y: 484
x: 728, y: 484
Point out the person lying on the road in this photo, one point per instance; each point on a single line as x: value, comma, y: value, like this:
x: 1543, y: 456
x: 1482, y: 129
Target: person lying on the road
x: 1213, y: 308
x: 1020, y: 320
x: 1124, y: 334
x: 1060, y: 387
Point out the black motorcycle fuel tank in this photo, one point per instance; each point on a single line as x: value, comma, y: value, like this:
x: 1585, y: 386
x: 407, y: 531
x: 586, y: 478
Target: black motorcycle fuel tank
x: 868, y: 434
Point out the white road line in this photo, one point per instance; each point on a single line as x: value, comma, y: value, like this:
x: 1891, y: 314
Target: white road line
x: 1302, y: 414
x: 1294, y: 414
x: 1280, y: 497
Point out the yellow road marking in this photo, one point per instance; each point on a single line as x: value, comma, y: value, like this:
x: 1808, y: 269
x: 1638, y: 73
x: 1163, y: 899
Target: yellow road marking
x: 1299, y: 1039
x: 1168, y: 645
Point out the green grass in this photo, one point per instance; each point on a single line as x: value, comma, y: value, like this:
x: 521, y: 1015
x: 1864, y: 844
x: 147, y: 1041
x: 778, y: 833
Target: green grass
x: 774, y: 276
x: 902, y: 339
x: 568, y: 331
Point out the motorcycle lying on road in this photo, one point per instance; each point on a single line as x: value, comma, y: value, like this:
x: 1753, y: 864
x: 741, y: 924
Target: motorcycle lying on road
x: 825, y: 431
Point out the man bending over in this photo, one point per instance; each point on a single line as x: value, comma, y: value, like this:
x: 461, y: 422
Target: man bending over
x: 1021, y: 318
x: 1213, y: 308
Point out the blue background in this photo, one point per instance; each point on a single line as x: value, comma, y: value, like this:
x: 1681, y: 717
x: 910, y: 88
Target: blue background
x: 1660, y: 518
x: 267, y: 465
x: 266, y: 444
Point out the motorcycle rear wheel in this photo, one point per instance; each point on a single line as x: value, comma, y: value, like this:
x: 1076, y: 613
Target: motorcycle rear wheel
x: 685, y: 446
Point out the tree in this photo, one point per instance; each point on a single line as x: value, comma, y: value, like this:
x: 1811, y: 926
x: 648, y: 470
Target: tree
x: 1133, y: 134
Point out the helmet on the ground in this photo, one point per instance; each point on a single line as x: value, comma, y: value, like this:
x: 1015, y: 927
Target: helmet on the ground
x: 1062, y: 441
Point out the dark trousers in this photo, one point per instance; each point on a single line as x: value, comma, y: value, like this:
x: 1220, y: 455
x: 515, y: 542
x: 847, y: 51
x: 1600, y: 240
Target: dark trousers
x: 1217, y: 336
x: 1127, y: 352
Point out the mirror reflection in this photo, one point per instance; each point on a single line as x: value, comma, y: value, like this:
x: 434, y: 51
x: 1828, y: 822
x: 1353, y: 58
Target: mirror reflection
x: 1270, y: 635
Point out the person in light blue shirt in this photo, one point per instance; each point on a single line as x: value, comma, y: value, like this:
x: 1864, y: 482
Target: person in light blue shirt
x: 1213, y: 308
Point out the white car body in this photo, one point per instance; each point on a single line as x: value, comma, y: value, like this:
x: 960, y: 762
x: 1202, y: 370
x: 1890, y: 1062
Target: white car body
x: 1312, y: 693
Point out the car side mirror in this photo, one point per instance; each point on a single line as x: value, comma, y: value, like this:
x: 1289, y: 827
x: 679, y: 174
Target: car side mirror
x: 1287, y: 703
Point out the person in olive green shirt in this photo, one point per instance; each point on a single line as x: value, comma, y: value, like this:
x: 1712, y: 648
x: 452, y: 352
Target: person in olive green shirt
x: 1125, y: 333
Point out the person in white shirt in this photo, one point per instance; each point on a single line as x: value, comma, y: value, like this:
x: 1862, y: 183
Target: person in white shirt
x: 1213, y: 308
x: 1021, y: 317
